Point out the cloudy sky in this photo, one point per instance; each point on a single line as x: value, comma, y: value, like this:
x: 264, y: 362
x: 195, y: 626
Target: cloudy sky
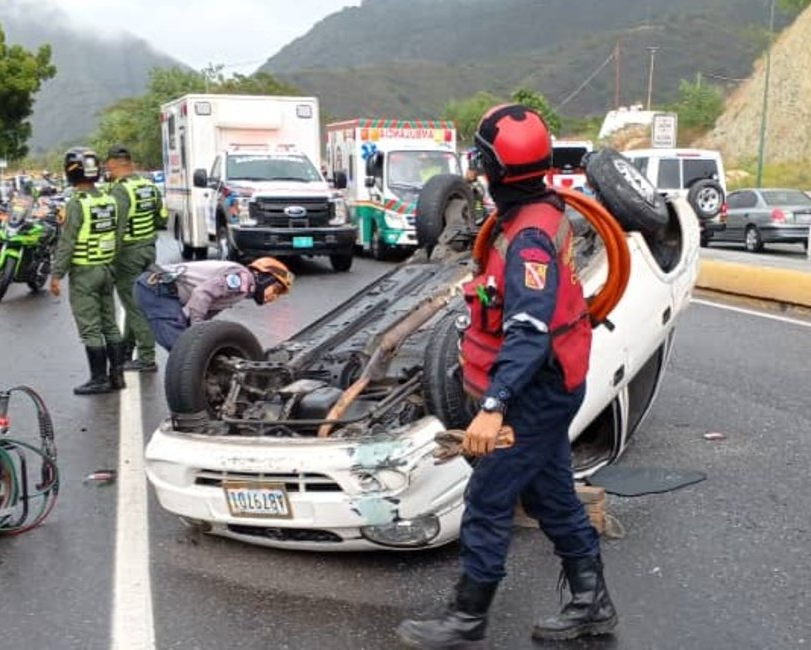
x: 241, y: 34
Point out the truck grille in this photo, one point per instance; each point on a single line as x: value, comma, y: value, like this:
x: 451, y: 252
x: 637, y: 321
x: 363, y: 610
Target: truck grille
x: 295, y: 482
x: 270, y: 212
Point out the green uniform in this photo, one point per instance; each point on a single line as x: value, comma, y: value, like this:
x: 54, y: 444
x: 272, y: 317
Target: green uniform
x: 85, y: 252
x: 141, y: 212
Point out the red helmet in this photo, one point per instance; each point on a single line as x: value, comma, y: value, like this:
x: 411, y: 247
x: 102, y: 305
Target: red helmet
x: 514, y: 143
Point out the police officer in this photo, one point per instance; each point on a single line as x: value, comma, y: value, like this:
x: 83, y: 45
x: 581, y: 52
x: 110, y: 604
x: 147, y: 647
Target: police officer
x: 141, y: 211
x: 525, y: 356
x: 175, y: 296
x: 86, y: 249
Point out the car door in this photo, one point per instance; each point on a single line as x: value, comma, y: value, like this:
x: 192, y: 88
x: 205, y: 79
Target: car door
x: 740, y: 206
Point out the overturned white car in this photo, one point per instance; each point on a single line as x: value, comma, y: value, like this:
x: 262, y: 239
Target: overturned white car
x: 325, y: 441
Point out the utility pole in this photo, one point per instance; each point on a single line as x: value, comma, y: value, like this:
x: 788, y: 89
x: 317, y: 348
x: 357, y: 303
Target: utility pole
x: 762, y: 144
x: 618, y: 82
x: 653, y: 49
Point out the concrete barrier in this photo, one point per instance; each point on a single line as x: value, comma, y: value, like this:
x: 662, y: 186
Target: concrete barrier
x: 767, y: 283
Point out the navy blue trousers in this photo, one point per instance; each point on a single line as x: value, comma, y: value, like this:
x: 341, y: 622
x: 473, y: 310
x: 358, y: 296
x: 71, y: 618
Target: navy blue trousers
x: 161, y: 307
x: 538, y: 471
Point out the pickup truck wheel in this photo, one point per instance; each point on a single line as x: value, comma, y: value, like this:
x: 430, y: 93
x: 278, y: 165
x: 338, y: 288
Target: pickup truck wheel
x: 441, y: 193
x: 200, y: 252
x: 706, y: 198
x: 196, y: 382
x: 629, y: 196
x: 442, y: 376
x: 341, y: 263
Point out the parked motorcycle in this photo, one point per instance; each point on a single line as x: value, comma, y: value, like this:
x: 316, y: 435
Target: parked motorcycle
x: 28, y: 236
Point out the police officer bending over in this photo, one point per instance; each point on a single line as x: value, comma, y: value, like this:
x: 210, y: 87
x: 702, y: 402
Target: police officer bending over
x: 525, y: 356
x: 86, y: 251
x: 175, y: 296
x: 141, y: 212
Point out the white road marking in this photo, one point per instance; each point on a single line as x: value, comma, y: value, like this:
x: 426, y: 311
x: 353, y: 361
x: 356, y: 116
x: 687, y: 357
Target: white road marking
x: 133, y: 625
x: 751, y: 312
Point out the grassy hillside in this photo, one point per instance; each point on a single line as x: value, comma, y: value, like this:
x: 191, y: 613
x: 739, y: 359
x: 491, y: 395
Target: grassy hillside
x: 410, y: 58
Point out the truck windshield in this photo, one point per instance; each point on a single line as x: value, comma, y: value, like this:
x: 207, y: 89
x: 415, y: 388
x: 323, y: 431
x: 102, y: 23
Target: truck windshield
x: 410, y: 170
x: 568, y: 159
x: 264, y: 167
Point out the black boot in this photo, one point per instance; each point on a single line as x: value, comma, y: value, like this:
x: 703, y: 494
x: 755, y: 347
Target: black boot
x: 115, y: 352
x: 98, y: 382
x: 590, y: 611
x: 463, y: 624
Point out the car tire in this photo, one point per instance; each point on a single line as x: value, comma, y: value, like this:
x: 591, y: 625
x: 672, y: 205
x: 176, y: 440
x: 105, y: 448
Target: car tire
x: 377, y: 245
x: 626, y: 192
x: 191, y: 384
x: 435, y: 198
x: 341, y: 263
x: 706, y: 197
x: 752, y: 240
x: 445, y: 397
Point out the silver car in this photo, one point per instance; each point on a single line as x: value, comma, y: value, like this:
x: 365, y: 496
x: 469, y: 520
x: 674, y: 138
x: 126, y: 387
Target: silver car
x: 768, y: 215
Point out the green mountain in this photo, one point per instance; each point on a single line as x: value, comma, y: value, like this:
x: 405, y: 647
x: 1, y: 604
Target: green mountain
x: 92, y: 72
x: 408, y: 59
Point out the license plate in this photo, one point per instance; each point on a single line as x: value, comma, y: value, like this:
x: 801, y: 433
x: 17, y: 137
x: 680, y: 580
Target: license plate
x: 253, y: 499
x: 302, y: 242
x: 803, y: 219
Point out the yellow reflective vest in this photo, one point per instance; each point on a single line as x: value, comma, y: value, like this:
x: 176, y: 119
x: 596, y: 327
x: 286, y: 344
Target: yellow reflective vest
x: 96, y: 242
x: 144, y: 200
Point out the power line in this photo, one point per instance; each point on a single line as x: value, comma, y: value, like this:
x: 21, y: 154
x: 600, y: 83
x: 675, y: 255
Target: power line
x: 588, y: 80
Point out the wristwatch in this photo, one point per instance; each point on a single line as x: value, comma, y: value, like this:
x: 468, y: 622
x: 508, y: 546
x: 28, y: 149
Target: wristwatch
x: 492, y: 405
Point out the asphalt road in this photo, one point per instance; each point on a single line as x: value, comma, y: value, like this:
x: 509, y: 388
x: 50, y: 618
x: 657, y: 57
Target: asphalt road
x: 720, y: 564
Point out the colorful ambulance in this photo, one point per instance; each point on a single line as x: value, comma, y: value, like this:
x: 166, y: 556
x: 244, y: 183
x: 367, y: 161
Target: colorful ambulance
x: 386, y: 163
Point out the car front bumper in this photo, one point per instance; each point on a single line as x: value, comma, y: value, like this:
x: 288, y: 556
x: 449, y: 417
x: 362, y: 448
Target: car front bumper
x: 341, y: 492
x: 257, y: 240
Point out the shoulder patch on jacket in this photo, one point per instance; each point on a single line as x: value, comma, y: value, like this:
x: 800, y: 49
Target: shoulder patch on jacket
x: 535, y: 275
x: 535, y: 255
x: 233, y: 281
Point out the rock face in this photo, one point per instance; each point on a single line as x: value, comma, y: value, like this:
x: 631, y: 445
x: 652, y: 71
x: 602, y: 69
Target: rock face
x: 788, y: 125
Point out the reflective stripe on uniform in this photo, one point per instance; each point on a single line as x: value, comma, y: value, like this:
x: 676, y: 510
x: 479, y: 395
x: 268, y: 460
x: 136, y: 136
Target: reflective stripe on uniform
x: 143, y: 197
x: 96, y: 242
x: 524, y: 317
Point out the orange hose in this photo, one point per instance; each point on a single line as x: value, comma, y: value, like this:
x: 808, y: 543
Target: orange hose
x: 616, y: 246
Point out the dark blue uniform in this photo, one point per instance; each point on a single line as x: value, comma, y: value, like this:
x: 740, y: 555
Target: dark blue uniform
x: 537, y: 469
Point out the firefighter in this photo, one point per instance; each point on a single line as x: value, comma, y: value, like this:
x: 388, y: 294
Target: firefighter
x: 142, y: 212
x: 525, y: 357
x: 174, y: 297
x: 86, y: 250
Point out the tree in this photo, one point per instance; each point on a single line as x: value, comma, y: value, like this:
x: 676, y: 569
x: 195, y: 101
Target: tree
x: 794, y: 5
x: 538, y: 103
x: 699, y: 105
x: 466, y: 114
x: 21, y: 76
x: 135, y: 121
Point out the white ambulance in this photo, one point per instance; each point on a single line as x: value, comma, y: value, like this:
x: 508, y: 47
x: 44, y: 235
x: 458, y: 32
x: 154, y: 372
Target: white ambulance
x: 386, y: 163
x: 242, y: 174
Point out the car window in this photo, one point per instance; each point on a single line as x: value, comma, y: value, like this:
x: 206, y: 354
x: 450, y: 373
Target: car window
x: 785, y: 197
x: 741, y: 200
x: 699, y: 169
x: 669, y: 174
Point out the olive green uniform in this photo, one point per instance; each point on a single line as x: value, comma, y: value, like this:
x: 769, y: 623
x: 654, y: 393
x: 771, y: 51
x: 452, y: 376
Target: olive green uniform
x: 141, y: 213
x: 85, y: 252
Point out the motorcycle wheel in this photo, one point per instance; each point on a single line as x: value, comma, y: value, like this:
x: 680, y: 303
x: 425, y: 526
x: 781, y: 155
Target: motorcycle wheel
x: 41, y: 270
x: 7, y: 275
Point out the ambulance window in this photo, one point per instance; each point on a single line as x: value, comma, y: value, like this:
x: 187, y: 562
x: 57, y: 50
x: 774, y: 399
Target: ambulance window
x: 171, y: 128
x: 216, y: 169
x: 182, y: 147
x: 669, y: 174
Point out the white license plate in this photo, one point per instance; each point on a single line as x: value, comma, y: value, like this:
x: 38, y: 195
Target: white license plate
x: 803, y: 219
x: 302, y: 242
x: 255, y: 499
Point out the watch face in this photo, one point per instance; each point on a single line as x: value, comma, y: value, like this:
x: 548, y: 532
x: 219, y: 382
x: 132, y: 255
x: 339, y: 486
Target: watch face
x: 491, y: 404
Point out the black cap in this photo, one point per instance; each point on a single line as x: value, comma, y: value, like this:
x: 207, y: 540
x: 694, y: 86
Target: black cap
x: 118, y: 151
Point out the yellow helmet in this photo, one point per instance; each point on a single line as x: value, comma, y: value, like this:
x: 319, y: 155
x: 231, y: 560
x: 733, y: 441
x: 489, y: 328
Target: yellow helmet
x: 276, y: 273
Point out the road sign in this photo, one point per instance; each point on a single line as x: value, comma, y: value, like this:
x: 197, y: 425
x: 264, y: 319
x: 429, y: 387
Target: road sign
x: 664, y: 130
x: 3, y: 163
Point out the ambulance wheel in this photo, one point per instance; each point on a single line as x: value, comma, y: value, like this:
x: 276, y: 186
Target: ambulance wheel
x: 629, y: 196
x: 196, y: 381
x: 200, y: 252
x: 377, y: 245
x: 442, y: 375
x: 444, y: 198
x: 187, y: 252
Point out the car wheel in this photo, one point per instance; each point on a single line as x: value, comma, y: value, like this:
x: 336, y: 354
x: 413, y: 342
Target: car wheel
x: 752, y: 240
x: 196, y: 381
x: 442, y: 375
x: 626, y: 192
x: 706, y: 198
x: 442, y: 193
x: 341, y: 263
x: 379, y: 248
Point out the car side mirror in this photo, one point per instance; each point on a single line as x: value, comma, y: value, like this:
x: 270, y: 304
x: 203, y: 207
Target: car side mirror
x: 369, y: 181
x: 200, y: 178
x: 339, y: 180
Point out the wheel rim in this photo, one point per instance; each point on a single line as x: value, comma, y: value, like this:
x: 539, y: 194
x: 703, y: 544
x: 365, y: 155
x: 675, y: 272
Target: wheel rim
x: 751, y: 239
x: 709, y: 201
x: 636, y: 180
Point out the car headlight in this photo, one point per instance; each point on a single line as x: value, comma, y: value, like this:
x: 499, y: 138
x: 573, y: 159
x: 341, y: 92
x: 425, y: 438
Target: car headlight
x: 341, y: 214
x: 406, y: 533
x: 396, y: 221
